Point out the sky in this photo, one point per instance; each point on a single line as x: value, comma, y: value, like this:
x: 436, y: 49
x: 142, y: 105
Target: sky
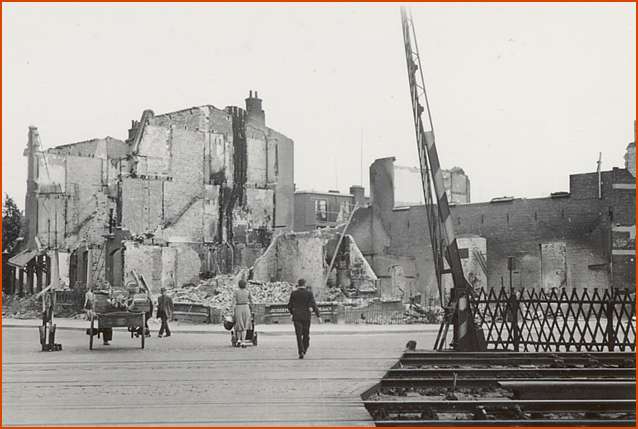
x: 522, y: 95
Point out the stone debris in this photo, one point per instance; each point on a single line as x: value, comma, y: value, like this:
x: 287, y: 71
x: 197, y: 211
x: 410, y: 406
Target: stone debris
x: 217, y: 292
x: 309, y: 255
x: 14, y: 307
x: 335, y: 294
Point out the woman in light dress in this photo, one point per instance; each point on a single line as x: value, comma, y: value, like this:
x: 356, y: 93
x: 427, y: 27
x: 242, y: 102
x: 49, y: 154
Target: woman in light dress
x: 242, y: 302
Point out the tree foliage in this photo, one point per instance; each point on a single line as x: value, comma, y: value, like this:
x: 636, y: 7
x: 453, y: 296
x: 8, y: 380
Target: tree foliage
x: 11, y: 224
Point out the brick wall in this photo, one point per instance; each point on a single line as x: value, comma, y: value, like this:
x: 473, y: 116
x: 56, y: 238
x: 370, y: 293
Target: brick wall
x: 339, y: 207
x: 212, y: 188
x: 283, y: 167
x: 104, y: 148
x: 176, y: 185
x: 579, y: 224
x: 623, y: 235
x: 142, y: 205
x: 162, y: 266
x: 51, y: 219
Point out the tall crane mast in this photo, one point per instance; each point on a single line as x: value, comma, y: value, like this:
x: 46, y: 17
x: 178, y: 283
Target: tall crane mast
x: 440, y: 226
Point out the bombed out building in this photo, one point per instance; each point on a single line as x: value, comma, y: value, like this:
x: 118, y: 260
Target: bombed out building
x: 197, y: 191
x: 583, y: 238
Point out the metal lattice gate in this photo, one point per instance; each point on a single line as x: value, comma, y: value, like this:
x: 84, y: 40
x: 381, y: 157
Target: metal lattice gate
x: 556, y: 320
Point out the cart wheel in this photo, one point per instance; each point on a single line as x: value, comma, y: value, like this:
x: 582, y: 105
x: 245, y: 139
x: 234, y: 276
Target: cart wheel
x: 91, y: 334
x: 254, y: 338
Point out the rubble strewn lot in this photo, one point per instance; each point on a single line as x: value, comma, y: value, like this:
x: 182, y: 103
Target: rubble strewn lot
x: 26, y: 307
x: 218, y: 292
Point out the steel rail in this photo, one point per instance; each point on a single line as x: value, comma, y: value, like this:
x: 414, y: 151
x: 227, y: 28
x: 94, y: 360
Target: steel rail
x: 530, y: 405
x: 514, y: 361
x: 511, y: 423
x: 483, y: 382
x: 499, y: 373
x: 497, y: 354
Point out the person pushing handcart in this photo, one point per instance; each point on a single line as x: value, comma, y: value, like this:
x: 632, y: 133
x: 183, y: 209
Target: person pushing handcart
x: 242, y: 323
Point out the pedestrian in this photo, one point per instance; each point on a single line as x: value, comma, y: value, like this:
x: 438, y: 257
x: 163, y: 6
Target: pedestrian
x: 164, y: 312
x: 89, y: 301
x: 142, y: 303
x: 299, y: 305
x: 89, y: 307
x: 242, y: 302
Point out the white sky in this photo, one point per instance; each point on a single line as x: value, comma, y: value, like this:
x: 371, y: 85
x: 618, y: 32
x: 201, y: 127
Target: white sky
x: 522, y: 94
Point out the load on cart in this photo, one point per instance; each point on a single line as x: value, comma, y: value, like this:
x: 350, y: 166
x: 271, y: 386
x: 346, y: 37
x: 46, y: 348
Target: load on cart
x: 107, y: 309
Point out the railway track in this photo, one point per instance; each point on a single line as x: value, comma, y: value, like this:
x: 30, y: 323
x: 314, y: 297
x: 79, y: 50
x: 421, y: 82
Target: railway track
x: 506, y: 389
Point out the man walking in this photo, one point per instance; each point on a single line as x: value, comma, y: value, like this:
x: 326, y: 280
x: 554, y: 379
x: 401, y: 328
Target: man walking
x: 164, y: 312
x: 299, y: 305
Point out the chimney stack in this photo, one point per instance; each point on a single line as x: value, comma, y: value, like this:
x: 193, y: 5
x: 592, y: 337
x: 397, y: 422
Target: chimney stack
x: 31, y: 204
x: 254, y: 111
x: 630, y: 155
x: 358, y: 192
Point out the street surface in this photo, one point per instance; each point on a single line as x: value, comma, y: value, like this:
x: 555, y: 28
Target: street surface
x: 197, y: 378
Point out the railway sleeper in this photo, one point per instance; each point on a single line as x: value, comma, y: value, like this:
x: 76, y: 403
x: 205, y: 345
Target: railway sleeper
x: 495, y: 413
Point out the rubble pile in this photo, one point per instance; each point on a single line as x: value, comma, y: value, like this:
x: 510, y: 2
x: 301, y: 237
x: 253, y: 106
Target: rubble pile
x: 335, y: 294
x: 419, y: 314
x: 218, y: 292
x: 15, y: 307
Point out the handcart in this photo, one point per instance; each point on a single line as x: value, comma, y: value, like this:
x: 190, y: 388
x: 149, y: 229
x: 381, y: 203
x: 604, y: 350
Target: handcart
x: 134, y: 321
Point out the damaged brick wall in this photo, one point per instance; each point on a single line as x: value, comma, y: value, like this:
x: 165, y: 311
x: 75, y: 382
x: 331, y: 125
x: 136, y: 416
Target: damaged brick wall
x: 161, y: 266
x: 187, y: 185
x: 51, y: 219
x: 307, y: 255
x: 283, y: 167
x: 188, y: 179
x: 623, y: 196
x: 193, y: 149
x: 219, y: 181
x: 518, y: 228
x: 74, y: 196
x: 142, y: 204
x: 234, y: 197
x: 514, y: 229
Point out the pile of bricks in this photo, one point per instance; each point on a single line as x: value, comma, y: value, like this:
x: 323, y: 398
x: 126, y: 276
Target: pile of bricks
x: 218, y: 292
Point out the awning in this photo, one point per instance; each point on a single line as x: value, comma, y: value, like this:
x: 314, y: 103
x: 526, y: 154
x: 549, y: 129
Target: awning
x: 23, y: 258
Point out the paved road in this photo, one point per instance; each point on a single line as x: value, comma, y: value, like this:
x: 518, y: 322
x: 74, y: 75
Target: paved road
x: 194, y: 379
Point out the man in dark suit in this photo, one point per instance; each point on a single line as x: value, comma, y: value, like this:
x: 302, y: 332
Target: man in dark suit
x: 164, y: 312
x: 299, y: 305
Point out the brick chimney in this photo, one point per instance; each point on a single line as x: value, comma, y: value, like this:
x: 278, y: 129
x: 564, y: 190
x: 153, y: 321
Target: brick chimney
x: 254, y: 111
x: 358, y: 192
x: 31, y: 203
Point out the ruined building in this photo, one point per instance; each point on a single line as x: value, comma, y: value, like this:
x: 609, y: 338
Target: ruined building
x: 189, y: 193
x: 315, y: 209
x: 576, y: 239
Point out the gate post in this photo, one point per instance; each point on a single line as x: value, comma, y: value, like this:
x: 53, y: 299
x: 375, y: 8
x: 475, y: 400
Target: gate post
x: 609, y: 313
x: 514, y: 318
